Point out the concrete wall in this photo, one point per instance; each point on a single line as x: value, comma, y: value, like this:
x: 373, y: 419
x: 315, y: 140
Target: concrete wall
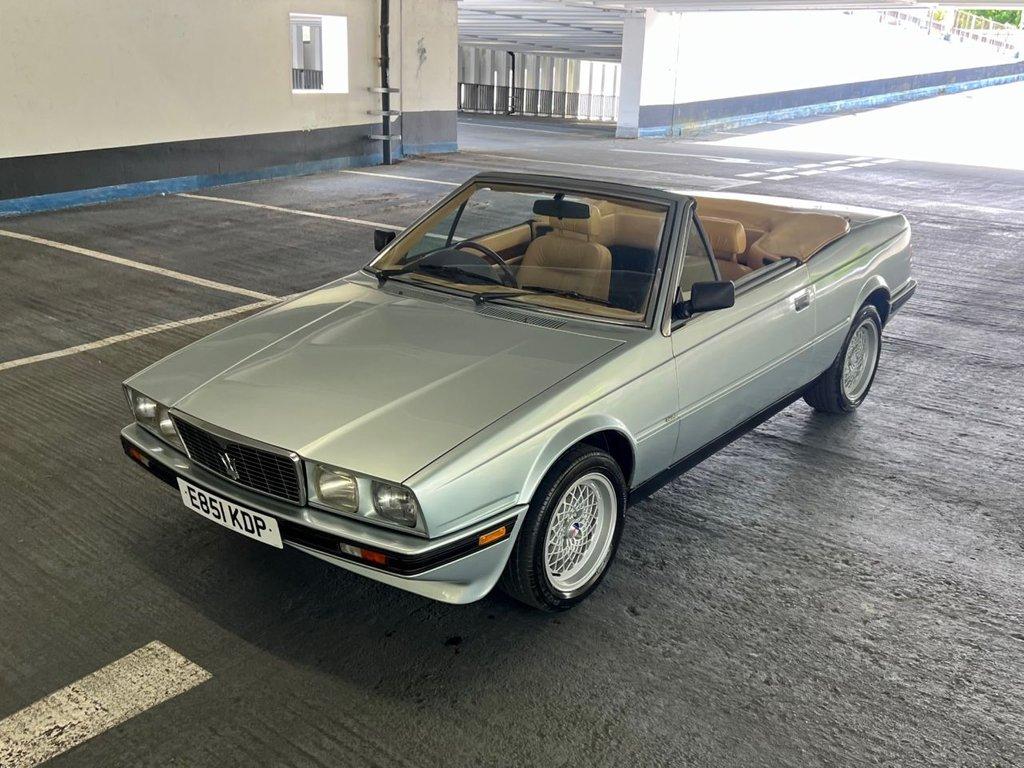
x: 120, y: 91
x: 732, y: 68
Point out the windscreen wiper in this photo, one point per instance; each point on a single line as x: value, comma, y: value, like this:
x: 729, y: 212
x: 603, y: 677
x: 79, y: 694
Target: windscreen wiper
x: 566, y: 294
x: 453, y: 271
x: 382, y: 275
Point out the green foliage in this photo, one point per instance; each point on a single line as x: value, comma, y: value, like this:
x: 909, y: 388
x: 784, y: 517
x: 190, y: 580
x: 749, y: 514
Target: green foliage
x: 1002, y: 15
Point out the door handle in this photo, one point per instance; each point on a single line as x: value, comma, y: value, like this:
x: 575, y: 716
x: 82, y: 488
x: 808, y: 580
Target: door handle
x: 802, y: 300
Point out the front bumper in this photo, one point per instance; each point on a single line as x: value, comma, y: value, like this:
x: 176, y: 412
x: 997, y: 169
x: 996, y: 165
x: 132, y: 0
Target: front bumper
x: 454, y: 569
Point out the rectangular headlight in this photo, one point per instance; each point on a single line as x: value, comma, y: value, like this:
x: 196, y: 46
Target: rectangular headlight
x: 336, y: 488
x: 153, y: 416
x: 396, y: 504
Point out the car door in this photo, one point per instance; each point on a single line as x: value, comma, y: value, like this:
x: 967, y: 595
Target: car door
x: 733, y: 363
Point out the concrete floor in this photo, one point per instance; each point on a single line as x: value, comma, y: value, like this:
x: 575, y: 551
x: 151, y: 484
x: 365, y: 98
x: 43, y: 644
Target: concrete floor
x: 825, y: 591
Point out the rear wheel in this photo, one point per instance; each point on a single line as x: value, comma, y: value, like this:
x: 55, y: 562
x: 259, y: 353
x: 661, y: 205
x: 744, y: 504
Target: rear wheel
x: 847, y: 382
x: 570, y: 533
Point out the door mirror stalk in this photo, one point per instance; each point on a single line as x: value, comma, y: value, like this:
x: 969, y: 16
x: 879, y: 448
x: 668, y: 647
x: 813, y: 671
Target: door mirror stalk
x: 381, y: 237
x: 705, y: 297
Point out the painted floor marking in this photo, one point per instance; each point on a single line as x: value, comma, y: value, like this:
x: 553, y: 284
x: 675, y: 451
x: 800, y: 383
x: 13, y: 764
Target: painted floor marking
x: 811, y: 172
x: 569, y: 132
x: 298, y: 212
x: 295, y: 211
x: 782, y: 170
x: 732, y: 182
x: 109, y: 340
x: 138, y: 265
x: 96, y: 703
x: 752, y: 174
x: 404, y: 178
x: 781, y: 176
x: 712, y: 158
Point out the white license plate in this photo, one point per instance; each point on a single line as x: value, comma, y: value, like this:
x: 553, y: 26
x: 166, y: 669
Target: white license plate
x: 230, y: 515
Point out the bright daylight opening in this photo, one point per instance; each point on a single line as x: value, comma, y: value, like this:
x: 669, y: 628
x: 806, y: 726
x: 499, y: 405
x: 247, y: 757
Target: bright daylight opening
x: 319, y: 53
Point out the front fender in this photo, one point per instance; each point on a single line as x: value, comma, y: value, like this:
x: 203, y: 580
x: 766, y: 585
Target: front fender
x: 564, y: 437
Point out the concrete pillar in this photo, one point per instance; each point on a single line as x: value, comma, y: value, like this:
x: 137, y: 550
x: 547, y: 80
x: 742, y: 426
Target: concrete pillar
x: 634, y: 32
x: 650, y: 81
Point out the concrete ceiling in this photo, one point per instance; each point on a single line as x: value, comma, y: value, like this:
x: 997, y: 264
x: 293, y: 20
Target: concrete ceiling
x: 593, y: 29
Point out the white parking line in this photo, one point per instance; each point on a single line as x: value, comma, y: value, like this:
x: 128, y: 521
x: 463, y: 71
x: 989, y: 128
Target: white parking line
x: 295, y: 211
x: 731, y: 182
x: 781, y: 176
x: 753, y: 173
x: 85, y: 709
x: 138, y: 265
x: 403, y: 178
x: 570, y: 133
x: 7, y: 365
x: 712, y: 158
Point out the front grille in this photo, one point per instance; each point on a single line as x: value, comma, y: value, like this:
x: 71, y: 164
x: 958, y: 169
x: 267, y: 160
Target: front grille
x: 271, y: 473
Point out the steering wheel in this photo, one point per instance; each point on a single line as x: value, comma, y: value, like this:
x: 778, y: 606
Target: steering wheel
x: 486, y: 254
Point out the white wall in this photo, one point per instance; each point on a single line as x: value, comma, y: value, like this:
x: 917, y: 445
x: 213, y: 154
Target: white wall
x: 90, y: 74
x: 713, y: 55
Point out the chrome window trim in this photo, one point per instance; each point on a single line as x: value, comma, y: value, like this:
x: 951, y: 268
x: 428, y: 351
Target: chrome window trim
x: 749, y: 282
x: 670, y: 200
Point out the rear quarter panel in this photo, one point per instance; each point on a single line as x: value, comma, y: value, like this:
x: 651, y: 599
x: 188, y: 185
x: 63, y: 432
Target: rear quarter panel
x: 874, y: 255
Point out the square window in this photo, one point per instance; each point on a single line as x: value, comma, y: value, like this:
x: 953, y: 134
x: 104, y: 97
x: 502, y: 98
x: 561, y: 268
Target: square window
x: 319, y: 53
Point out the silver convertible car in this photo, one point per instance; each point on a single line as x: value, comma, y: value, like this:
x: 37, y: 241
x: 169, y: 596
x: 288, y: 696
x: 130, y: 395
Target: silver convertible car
x: 478, y: 405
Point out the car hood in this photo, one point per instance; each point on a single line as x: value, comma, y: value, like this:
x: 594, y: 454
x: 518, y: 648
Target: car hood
x: 367, y: 379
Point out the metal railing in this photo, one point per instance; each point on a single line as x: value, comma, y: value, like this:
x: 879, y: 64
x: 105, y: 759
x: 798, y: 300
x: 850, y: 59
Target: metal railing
x: 536, y: 102
x: 307, y: 79
x: 964, y: 27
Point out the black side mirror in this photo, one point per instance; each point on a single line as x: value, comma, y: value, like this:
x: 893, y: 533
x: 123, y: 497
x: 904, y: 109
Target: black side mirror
x: 705, y: 297
x: 381, y: 237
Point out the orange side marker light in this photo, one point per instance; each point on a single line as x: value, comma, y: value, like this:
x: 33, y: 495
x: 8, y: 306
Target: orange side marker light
x: 487, y: 538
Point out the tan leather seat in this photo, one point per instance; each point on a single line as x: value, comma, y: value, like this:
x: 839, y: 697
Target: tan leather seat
x: 569, y: 258
x: 728, y: 241
x: 799, y: 234
x: 776, y: 231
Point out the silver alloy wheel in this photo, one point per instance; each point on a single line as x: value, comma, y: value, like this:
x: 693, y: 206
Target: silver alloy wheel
x: 580, y: 533
x: 860, y: 361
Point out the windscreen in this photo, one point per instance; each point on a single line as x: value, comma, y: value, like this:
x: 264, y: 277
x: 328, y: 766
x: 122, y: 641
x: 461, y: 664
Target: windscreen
x: 554, y: 250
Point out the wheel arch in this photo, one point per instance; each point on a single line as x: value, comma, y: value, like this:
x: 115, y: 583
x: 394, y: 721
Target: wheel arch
x: 603, y: 432
x: 876, y: 293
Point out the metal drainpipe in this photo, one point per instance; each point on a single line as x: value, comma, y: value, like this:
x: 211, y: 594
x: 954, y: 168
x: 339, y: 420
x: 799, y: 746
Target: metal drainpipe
x: 512, y: 90
x: 385, y: 96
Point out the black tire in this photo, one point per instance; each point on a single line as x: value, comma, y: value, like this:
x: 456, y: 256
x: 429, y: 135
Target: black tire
x: 827, y: 394
x: 525, y: 577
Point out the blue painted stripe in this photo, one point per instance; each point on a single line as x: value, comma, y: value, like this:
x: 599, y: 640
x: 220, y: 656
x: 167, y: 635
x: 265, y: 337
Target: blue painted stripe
x: 73, y: 199
x: 824, y: 108
x: 430, y: 149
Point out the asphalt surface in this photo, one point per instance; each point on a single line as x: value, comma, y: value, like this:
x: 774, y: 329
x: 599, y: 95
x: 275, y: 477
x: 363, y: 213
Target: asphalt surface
x: 824, y: 591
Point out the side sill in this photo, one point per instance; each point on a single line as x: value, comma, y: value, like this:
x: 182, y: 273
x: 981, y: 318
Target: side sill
x: 656, y: 483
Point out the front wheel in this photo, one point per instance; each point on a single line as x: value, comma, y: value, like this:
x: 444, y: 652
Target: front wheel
x: 570, y: 533
x: 847, y: 382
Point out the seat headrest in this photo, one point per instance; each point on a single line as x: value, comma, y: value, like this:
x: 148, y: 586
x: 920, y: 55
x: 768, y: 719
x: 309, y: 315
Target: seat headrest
x: 727, y: 236
x: 586, y: 229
